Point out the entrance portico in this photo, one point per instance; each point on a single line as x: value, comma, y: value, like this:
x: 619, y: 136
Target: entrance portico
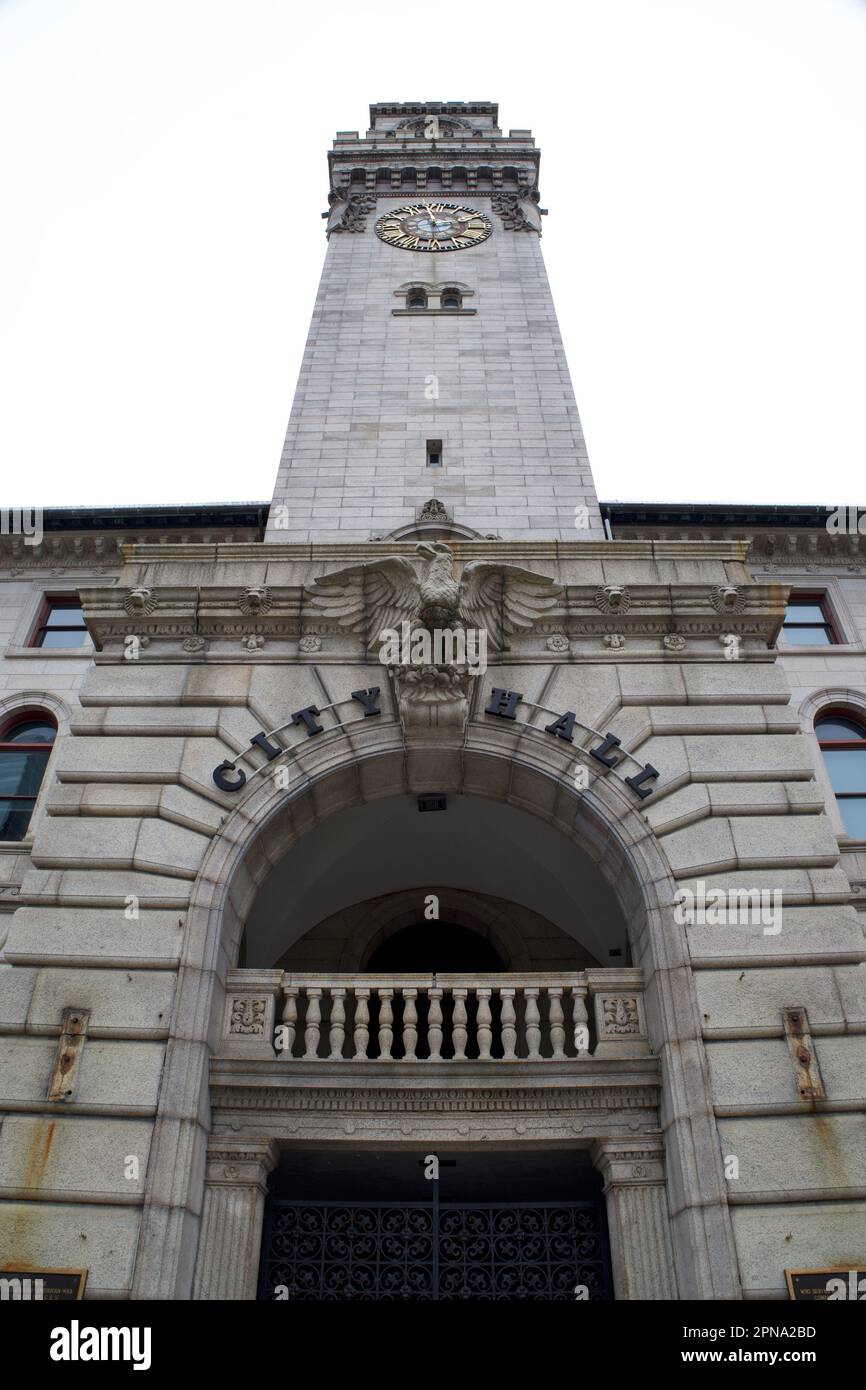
x: 521, y: 1080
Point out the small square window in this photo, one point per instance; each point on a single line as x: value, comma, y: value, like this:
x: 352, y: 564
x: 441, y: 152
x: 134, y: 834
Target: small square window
x: 808, y: 622
x: 60, y: 624
x: 434, y: 453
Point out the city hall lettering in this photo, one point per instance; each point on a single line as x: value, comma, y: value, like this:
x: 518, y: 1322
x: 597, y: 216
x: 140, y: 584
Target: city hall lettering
x: 502, y: 704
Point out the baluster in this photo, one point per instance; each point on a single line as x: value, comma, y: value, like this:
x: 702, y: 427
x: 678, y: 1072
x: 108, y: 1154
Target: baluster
x: 509, y: 1025
x: 386, y: 1020
x: 434, y: 1025
x: 410, y: 1025
x: 290, y: 1020
x: 459, y: 1030
x: 557, y: 1022
x: 485, y: 1031
x: 338, y: 1024
x: 581, y: 1029
x: 362, y: 1024
x: 532, y: 1019
x: 312, y: 1027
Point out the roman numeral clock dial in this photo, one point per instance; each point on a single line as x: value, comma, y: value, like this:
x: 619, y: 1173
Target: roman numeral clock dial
x: 434, y: 227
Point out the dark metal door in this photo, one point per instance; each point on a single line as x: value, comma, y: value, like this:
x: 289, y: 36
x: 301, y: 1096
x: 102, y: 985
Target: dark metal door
x: 434, y: 1250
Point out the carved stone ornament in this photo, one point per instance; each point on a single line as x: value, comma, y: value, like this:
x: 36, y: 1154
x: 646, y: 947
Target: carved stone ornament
x: 558, y: 643
x: 252, y: 642
x: 248, y: 1016
x: 490, y: 596
x: 612, y: 598
x: 615, y: 641
x: 193, y: 643
x: 140, y: 602
x: 449, y: 126
x: 620, y: 1016
x: 431, y: 698
x: 255, y: 601
x: 309, y: 645
x: 727, y: 598
x: 349, y: 211
x: 674, y: 642
x: 519, y: 211
x: 434, y: 510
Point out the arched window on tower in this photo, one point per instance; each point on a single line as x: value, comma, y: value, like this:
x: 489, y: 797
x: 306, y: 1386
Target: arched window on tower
x: 842, y: 739
x: 25, y: 747
x: 451, y: 298
x: 416, y: 299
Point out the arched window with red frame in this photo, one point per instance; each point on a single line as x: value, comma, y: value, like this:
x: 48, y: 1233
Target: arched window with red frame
x: 25, y: 747
x: 842, y: 739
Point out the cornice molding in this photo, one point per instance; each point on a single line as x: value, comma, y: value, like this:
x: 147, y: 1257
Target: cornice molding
x: 549, y: 550
x: 477, y: 1099
x: 202, y: 613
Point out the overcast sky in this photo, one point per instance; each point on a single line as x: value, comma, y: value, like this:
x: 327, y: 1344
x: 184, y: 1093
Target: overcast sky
x: 163, y: 171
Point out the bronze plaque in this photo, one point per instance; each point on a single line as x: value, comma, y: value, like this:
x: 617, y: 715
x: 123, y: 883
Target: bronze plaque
x: 826, y: 1285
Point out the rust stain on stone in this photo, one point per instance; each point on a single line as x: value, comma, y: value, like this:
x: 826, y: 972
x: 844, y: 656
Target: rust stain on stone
x: 40, y: 1149
x: 833, y: 1155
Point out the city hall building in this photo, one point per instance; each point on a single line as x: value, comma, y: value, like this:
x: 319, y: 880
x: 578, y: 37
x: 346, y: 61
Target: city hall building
x: 435, y: 884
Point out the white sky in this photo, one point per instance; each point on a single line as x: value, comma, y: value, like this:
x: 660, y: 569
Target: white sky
x: 163, y: 171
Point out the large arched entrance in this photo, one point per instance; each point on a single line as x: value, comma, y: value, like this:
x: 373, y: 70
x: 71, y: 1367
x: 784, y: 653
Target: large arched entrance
x: 567, y: 880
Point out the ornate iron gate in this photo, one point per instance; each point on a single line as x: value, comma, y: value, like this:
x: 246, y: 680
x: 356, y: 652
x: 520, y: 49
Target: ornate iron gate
x: 421, y: 1251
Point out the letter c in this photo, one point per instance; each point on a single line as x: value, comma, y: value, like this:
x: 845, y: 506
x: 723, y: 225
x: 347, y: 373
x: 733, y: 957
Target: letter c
x: 221, y: 778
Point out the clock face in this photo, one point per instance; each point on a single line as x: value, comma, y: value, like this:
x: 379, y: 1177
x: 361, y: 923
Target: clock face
x: 434, y: 227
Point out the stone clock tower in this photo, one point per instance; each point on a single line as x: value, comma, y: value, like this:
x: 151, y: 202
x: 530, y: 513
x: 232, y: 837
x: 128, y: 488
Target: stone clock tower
x: 434, y: 368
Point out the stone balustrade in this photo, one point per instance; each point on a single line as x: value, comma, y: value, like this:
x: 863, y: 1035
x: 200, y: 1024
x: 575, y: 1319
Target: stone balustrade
x: 421, y: 1018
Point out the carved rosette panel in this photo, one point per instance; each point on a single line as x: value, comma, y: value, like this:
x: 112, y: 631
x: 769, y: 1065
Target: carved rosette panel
x: 620, y: 1016
x: 248, y: 1016
x: 620, y: 1025
x: 248, y: 1021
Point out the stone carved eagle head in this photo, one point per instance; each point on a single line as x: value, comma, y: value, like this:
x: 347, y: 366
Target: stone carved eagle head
x: 371, y: 598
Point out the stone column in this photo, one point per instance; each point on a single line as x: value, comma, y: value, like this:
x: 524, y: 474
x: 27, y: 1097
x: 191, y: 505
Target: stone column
x: 637, y: 1216
x: 231, y: 1224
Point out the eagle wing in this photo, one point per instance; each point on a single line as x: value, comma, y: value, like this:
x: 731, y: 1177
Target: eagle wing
x: 365, y: 599
x: 504, y: 599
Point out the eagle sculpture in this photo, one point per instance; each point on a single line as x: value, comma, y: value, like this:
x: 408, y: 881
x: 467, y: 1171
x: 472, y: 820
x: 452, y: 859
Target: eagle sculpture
x: 498, y: 598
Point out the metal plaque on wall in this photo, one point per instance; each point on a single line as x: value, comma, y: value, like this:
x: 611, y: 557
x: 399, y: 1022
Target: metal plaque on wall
x: 826, y: 1285
x: 42, y: 1285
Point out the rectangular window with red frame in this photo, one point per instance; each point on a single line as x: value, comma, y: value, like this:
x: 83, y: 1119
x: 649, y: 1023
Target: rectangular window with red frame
x: 60, y: 623
x: 809, y: 622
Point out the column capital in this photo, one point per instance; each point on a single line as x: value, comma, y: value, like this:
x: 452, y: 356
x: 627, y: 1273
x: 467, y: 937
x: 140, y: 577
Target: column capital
x: 235, y: 1160
x: 632, y: 1161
